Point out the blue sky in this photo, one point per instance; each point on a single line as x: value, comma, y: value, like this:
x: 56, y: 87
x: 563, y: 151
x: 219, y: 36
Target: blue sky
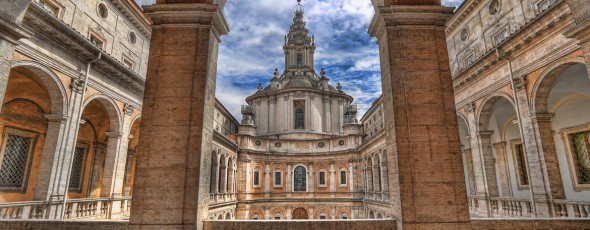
x: 253, y: 48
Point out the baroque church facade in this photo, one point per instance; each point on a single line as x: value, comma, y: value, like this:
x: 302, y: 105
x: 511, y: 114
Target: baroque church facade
x: 302, y: 152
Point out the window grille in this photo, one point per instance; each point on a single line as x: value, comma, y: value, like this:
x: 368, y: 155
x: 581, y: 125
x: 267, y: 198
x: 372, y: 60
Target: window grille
x: 14, y: 162
x: 522, y: 171
x: 77, y: 169
x: 581, y: 142
x: 300, y: 179
x: 299, y: 119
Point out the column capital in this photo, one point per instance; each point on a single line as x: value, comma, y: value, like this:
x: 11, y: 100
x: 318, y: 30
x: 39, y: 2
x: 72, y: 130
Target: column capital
x: 56, y: 118
x: 189, y: 14
x: 485, y: 133
x: 520, y: 82
x: 542, y: 117
x: 411, y: 16
x: 499, y: 145
x: 469, y: 107
x: 114, y: 134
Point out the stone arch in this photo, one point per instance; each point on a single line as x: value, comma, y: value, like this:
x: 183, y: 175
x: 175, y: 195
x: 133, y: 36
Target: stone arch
x: 300, y: 214
x: 542, y: 86
x: 221, y: 184
x: 277, y: 211
x: 55, y: 87
x: 322, y: 210
x: 112, y: 109
x: 485, y: 109
x: 228, y: 216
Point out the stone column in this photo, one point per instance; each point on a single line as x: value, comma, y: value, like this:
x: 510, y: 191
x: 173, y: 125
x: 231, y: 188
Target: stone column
x: 541, y: 156
x: 489, y: 163
x: 332, y: 177
x: 54, y: 169
x: 11, y: 16
x: 110, y: 177
x: 384, y: 177
x: 272, y: 103
x: 289, y: 213
x: 376, y: 178
x: 173, y: 161
x: 581, y: 30
x: 480, y: 185
x: 426, y: 172
x: 97, y: 169
x: 503, y: 169
x: 311, y: 182
x: 327, y: 109
x: 470, y: 178
x: 214, y: 176
x: 288, y: 182
x: 350, y: 175
x: 267, y: 178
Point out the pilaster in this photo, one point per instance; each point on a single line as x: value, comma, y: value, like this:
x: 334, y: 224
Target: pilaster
x: 426, y: 177
x: 174, y: 154
x: 503, y: 169
x: 11, y: 16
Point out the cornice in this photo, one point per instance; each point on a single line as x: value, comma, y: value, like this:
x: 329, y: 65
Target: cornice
x: 220, y: 137
x: 59, y: 34
x: 133, y: 14
x: 464, y: 12
x: 189, y: 15
x: 282, y: 92
x: 514, y: 43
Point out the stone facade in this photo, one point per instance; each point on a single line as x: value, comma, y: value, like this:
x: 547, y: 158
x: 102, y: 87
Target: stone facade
x: 520, y: 86
x: 302, y: 150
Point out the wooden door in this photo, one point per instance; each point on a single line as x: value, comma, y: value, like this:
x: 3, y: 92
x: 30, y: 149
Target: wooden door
x: 300, y: 214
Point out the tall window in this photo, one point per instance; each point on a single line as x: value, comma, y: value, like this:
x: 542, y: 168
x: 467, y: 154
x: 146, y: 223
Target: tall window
x: 342, y: 177
x: 299, y: 61
x: 256, y: 178
x: 15, y: 156
x: 322, y: 179
x: 581, y: 156
x: 523, y: 177
x: 77, y: 169
x: 278, y: 179
x: 299, y: 118
x: 300, y: 179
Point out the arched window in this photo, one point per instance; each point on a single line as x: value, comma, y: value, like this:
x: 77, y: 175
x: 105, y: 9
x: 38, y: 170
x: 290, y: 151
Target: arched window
x: 277, y: 216
x: 299, y: 118
x: 255, y: 216
x: 322, y: 216
x: 343, y: 216
x: 300, y: 179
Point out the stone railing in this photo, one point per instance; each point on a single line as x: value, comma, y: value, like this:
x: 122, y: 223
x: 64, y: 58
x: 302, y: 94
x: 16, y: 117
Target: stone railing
x: 222, y: 197
x: 511, y: 207
x: 473, y: 203
x: 572, y: 209
x: 377, y: 196
x: 91, y: 208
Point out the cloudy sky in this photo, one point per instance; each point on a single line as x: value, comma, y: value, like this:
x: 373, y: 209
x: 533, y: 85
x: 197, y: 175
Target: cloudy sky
x: 253, y: 48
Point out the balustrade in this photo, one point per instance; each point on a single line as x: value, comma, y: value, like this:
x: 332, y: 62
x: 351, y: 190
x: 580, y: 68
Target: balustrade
x: 91, y: 208
x: 572, y: 209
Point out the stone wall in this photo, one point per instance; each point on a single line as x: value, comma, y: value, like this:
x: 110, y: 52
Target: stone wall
x: 296, y: 225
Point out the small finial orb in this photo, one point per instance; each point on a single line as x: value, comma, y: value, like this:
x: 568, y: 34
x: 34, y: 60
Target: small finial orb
x: 298, y: 1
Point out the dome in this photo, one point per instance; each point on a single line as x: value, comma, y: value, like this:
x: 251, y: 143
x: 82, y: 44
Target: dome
x: 299, y: 82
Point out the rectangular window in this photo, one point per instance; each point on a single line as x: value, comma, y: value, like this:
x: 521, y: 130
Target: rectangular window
x: 299, y: 61
x: 49, y: 7
x: 16, y: 154
x: 322, y: 217
x: 523, y: 176
x: 500, y: 37
x: 545, y: 4
x: 581, y: 156
x: 278, y: 178
x: 322, y: 178
x: 256, y: 178
x: 277, y: 217
x: 76, y: 175
x: 97, y: 41
x: 343, y: 177
x: 128, y: 63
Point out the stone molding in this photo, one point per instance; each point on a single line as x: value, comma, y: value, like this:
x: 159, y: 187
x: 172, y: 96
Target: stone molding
x: 189, y: 14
